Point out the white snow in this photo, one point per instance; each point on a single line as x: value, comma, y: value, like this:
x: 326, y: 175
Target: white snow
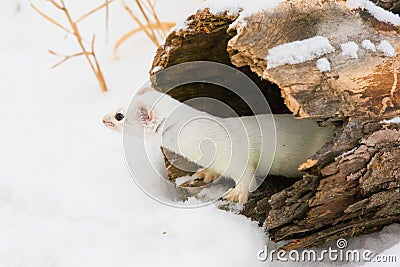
x: 221, y: 6
x: 298, y: 51
x: 385, y: 47
x: 368, y: 45
x: 376, y: 11
x: 323, y: 64
x: 349, y: 49
x: 243, y: 8
x: 393, y: 120
x: 181, y: 180
x: 346, y: 154
x: 239, y: 8
x: 66, y: 197
x: 182, y: 24
x: 156, y: 69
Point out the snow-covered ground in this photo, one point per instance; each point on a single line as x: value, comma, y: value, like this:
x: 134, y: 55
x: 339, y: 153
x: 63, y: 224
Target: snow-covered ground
x: 66, y: 197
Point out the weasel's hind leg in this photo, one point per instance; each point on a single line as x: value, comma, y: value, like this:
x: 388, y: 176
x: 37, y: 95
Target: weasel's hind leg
x: 207, y: 175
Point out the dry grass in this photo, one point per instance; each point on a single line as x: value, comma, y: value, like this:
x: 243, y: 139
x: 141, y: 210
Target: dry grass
x: 165, y: 26
x: 89, y: 54
x: 151, y: 26
x: 145, y: 17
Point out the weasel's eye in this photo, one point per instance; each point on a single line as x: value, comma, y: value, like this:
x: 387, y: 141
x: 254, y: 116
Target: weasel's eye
x: 119, y: 116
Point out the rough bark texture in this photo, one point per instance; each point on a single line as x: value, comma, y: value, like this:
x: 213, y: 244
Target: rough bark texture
x: 351, y: 186
x: 356, y: 193
x: 392, y: 5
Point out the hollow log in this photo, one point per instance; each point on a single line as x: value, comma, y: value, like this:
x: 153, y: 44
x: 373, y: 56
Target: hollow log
x: 352, y: 185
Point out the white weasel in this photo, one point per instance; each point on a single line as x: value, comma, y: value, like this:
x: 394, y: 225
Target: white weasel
x: 233, y: 147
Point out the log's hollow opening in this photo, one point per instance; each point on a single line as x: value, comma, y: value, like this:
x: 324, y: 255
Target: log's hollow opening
x: 197, y: 95
x: 207, y: 41
x: 210, y: 46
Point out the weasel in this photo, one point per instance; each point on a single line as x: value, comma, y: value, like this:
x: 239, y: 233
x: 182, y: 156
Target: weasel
x: 238, y: 148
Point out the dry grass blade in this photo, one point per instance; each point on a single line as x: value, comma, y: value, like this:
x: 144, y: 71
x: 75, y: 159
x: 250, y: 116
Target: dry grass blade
x: 149, y: 9
x: 162, y: 26
x: 99, y: 73
x: 144, y: 13
x: 56, y: 5
x: 89, y: 55
x: 104, y: 5
x: 51, y: 20
x: 153, y: 27
x: 107, y: 17
x: 154, y: 13
x: 79, y: 39
x: 66, y: 58
x: 153, y: 38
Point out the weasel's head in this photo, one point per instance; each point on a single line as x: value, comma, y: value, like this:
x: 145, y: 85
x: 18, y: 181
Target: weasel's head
x: 146, y: 114
x: 115, y: 120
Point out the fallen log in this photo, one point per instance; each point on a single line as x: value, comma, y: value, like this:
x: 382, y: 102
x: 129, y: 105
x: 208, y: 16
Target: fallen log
x: 352, y: 185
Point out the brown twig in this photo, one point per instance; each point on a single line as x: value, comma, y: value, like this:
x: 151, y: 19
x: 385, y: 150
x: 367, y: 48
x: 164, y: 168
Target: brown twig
x: 104, y: 5
x: 107, y: 17
x: 89, y: 55
x: 154, y: 30
x: 163, y: 26
x: 154, y: 13
x: 99, y: 73
x: 144, y: 13
x: 65, y: 57
x: 137, y: 20
x: 51, y: 20
x: 55, y: 4
x: 96, y: 70
x: 149, y: 8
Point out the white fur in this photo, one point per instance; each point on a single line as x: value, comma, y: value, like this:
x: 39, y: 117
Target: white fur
x: 240, y: 148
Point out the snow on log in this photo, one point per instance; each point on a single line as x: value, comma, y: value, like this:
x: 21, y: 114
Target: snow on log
x: 360, y: 83
x: 322, y: 60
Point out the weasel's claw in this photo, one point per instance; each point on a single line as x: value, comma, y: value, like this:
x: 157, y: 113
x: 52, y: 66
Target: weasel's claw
x: 236, y: 195
x: 207, y: 175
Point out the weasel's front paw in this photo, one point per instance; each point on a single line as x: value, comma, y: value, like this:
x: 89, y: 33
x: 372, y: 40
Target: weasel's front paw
x: 207, y: 175
x: 237, y: 195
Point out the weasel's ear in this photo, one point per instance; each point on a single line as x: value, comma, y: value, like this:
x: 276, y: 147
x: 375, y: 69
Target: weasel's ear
x: 144, y: 90
x: 150, y: 117
x: 144, y: 115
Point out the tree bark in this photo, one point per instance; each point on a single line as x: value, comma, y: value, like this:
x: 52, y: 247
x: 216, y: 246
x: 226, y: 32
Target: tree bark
x: 352, y: 185
x: 392, y: 5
